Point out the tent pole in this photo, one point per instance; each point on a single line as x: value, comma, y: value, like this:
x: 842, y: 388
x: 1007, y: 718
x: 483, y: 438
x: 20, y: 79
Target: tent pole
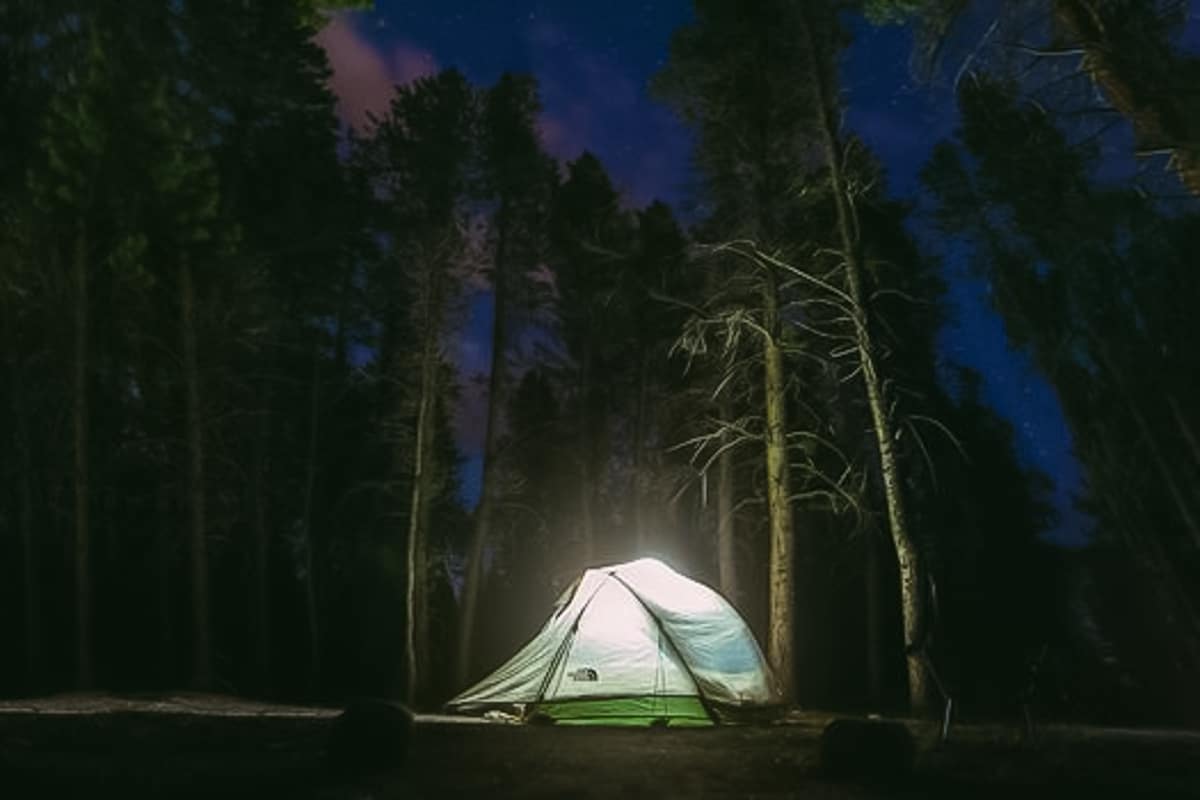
x: 662, y: 631
x: 561, y: 653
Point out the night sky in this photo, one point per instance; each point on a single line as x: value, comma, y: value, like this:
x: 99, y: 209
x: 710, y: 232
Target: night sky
x: 593, y: 62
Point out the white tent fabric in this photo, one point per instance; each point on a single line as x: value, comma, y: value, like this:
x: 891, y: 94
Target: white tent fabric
x: 634, y: 629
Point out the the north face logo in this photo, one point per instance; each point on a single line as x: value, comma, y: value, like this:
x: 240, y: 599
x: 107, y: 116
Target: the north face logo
x: 585, y: 674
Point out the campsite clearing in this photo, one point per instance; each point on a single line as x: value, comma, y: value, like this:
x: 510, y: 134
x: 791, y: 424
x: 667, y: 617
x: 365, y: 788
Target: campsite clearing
x: 205, y: 747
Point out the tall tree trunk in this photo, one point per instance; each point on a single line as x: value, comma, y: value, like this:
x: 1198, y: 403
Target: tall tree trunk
x: 29, y: 552
x: 80, y: 423
x: 1185, y: 428
x: 1171, y: 596
x: 640, y: 481
x: 310, y: 479
x: 166, y: 529
x: 29, y: 555
x: 260, y: 591
x: 1152, y: 110
x: 473, y: 580
x: 424, y: 658
x: 586, y: 454
x: 1166, y: 471
x: 912, y: 577
x: 341, y: 349
x: 1168, y: 474
x: 726, y: 556
x: 874, y: 628
x: 781, y: 592
x: 415, y: 577
x: 471, y: 587
x: 201, y: 644
x: 908, y: 557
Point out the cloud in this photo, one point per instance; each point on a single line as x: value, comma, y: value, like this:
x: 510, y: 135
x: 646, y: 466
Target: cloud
x: 364, y: 76
x: 589, y: 103
x: 566, y: 134
x: 558, y: 137
x: 410, y: 62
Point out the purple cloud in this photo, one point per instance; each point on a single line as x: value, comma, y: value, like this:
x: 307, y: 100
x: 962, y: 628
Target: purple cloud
x: 364, y: 77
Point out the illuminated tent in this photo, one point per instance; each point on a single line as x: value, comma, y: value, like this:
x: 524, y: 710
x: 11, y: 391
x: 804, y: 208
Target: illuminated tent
x: 632, y: 644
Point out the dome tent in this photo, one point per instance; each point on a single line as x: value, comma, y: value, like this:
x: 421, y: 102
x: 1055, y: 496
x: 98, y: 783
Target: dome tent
x: 632, y: 644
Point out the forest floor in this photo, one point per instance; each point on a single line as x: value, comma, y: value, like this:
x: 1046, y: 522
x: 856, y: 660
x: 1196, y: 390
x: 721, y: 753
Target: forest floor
x: 199, y: 746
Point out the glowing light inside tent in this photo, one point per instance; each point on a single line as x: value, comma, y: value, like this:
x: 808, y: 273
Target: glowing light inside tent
x: 617, y: 619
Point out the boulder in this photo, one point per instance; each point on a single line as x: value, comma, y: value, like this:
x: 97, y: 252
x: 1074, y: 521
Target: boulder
x: 370, y: 736
x: 867, y: 749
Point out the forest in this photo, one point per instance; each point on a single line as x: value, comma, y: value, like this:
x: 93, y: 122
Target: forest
x: 229, y: 448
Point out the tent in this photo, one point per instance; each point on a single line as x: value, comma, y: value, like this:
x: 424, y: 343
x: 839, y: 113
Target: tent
x: 632, y: 644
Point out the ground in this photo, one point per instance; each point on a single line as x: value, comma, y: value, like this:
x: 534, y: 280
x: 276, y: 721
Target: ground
x: 214, y: 747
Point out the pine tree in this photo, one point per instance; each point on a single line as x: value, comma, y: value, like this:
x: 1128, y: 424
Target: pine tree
x: 421, y: 156
x: 592, y: 238
x: 516, y: 179
x: 1124, y: 47
x: 1091, y: 281
x: 75, y: 143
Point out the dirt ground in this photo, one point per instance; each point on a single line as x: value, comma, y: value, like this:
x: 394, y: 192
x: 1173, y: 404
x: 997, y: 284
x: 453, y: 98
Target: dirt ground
x: 206, y: 747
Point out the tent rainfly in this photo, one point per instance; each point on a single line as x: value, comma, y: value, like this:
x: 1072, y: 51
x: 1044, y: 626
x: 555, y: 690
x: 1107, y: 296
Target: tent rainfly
x: 632, y: 644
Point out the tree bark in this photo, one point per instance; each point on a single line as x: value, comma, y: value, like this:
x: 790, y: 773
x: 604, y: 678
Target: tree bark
x: 29, y: 555
x: 726, y: 556
x: 472, y: 582
x: 30, y: 561
x: 1168, y: 475
x: 80, y: 423
x: 166, y: 527
x: 1171, y: 596
x: 201, y: 645
x: 912, y: 577
x: 781, y: 593
x: 1185, y: 428
x: 424, y: 659
x: 1166, y: 472
x: 341, y: 349
x: 907, y: 556
x: 586, y: 453
x: 639, y: 460
x: 420, y: 500
x: 310, y: 479
x: 260, y: 593
x: 874, y: 630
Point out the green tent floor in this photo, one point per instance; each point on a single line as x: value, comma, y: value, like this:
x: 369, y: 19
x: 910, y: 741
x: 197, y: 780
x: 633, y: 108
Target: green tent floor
x: 628, y: 711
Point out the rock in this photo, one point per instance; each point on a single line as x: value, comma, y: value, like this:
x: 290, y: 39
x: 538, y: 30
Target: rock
x: 868, y: 749
x: 369, y: 736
